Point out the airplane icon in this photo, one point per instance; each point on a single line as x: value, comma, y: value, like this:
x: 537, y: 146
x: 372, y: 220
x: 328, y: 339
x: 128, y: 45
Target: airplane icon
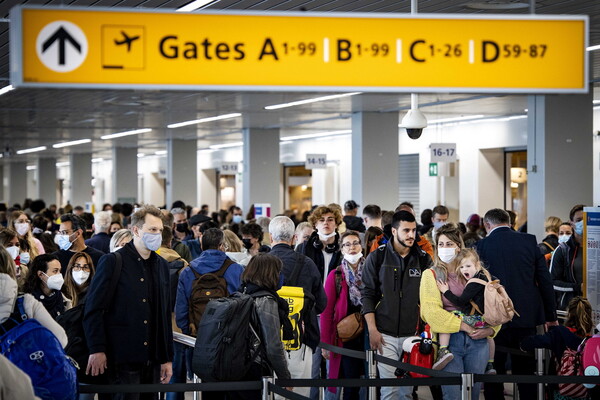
x: 126, y: 40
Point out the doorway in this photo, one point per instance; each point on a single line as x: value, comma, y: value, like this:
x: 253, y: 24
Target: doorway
x: 298, y: 189
x: 515, y: 184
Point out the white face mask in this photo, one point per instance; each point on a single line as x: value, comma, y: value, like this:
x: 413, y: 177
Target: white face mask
x: 325, y: 237
x: 13, y: 251
x: 22, y: 228
x: 55, y: 281
x: 446, y: 254
x: 80, y: 276
x: 353, y: 258
x: 564, y: 238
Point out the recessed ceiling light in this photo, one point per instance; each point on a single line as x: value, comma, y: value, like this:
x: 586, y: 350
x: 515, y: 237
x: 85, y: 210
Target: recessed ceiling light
x: 71, y: 143
x: 31, y: 167
x: 497, y: 5
x: 313, y: 100
x: 160, y: 152
x: 32, y: 150
x: 63, y: 164
x: 97, y: 160
x: 126, y: 133
x: 140, y: 155
x: 316, y: 135
x: 6, y: 89
x: 202, y: 120
x: 226, y: 145
x: 194, y: 5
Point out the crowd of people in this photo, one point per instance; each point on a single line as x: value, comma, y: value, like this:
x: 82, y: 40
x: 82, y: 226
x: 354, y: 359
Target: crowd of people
x: 113, y: 286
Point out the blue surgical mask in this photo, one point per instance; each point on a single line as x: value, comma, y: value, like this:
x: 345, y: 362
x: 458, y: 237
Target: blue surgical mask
x: 152, y: 241
x: 24, y: 257
x: 579, y: 228
x: 438, y: 225
x: 63, y: 242
x: 237, y: 219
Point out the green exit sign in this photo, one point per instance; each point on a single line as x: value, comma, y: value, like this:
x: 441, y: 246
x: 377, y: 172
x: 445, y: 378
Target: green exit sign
x: 433, y: 169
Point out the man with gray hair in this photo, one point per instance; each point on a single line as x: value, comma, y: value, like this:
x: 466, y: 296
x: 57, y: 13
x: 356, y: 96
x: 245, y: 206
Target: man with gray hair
x: 101, y: 240
x: 281, y: 231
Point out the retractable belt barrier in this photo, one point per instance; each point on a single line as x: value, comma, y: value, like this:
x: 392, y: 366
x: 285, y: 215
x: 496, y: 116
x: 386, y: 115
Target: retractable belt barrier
x: 441, y: 378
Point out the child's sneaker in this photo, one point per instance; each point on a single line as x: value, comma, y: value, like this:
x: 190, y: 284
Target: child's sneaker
x: 489, y: 369
x: 444, y: 356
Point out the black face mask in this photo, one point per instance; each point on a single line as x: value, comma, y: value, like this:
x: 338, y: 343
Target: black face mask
x: 183, y: 228
x: 247, y: 243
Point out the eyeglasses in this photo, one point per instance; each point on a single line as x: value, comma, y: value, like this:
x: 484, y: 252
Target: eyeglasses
x: 348, y: 245
x: 80, y: 267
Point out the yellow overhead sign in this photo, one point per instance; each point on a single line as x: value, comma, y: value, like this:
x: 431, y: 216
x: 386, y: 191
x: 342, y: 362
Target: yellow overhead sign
x: 292, y: 51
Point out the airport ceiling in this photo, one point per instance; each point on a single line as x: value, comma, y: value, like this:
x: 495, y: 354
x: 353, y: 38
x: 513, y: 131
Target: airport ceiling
x: 41, y: 117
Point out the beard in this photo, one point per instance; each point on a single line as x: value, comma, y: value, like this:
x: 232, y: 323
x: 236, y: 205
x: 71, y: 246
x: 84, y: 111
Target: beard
x: 403, y: 243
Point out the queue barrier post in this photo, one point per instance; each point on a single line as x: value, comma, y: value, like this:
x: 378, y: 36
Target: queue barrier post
x: 196, y: 395
x: 266, y: 393
x: 372, y: 372
x: 539, y: 359
x: 466, y: 386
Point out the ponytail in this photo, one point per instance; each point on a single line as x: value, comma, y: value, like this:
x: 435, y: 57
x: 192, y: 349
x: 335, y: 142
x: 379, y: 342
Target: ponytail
x: 579, y: 316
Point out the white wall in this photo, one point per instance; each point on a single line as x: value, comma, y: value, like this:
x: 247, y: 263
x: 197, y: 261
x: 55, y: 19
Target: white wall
x: 469, y: 139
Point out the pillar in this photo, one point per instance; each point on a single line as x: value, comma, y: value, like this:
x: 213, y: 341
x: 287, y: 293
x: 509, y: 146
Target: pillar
x: 46, y: 180
x: 182, y: 171
x: 262, y: 170
x: 124, y: 175
x: 375, y: 158
x: 559, y: 157
x: 16, y: 182
x: 80, y: 167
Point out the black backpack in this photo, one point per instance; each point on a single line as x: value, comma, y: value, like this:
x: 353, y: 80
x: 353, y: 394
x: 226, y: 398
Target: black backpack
x: 228, y: 339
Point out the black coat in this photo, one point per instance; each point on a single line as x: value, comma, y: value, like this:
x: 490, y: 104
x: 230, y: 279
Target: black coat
x: 515, y: 259
x: 311, y: 251
x: 64, y: 256
x: 125, y: 332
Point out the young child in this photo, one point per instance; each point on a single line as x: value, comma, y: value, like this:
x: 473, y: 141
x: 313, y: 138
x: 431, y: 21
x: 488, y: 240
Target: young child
x: 469, y: 267
x: 579, y: 324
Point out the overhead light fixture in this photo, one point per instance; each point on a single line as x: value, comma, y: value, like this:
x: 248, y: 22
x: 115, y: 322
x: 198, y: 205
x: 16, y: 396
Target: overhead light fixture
x: 140, y: 155
x: 315, y: 135
x: 97, y: 160
x: 32, y: 150
x: 160, y: 152
x: 194, y: 5
x: 6, y: 89
x: 31, y: 167
x: 202, y: 120
x: 226, y: 145
x: 593, y: 48
x: 63, y: 164
x: 456, y: 119
x: 126, y: 133
x: 307, y: 101
x: 71, y: 143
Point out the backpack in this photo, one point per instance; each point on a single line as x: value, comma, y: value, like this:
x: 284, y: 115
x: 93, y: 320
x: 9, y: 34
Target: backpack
x: 571, y: 365
x: 205, y: 288
x: 498, y: 307
x: 300, y: 304
x: 35, y: 350
x: 227, y: 342
x: 72, y: 322
x: 591, y: 358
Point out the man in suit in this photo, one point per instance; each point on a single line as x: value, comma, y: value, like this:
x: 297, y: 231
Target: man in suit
x: 515, y: 259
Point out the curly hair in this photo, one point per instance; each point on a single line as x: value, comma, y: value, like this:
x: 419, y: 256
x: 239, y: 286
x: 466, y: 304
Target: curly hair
x: 579, y: 316
x: 318, y: 213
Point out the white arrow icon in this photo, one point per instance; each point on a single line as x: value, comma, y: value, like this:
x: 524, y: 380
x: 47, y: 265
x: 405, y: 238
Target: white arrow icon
x: 61, y: 46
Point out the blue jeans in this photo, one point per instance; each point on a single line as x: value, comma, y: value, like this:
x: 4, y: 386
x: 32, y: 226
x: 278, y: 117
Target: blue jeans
x: 470, y: 356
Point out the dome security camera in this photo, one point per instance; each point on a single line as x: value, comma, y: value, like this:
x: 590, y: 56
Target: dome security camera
x: 414, y: 122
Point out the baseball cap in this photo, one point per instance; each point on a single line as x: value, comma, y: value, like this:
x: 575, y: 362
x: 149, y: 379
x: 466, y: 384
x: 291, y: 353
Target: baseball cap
x: 350, y: 205
x: 198, y: 219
